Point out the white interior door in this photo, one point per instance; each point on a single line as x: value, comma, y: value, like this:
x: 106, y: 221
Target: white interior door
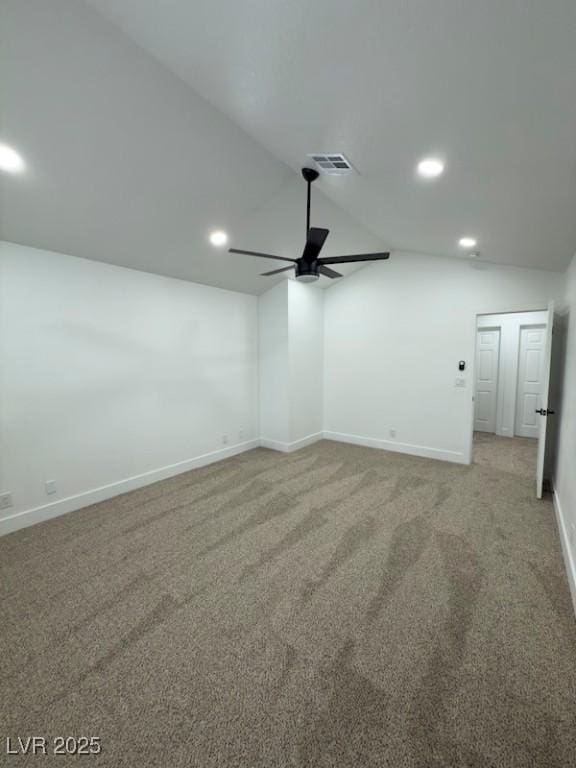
x: 543, y: 415
x: 529, y: 388
x: 486, y: 390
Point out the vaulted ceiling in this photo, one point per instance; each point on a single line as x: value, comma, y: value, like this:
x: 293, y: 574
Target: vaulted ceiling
x: 145, y: 124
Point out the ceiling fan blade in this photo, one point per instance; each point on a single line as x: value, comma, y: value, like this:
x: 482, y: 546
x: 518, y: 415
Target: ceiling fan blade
x: 328, y: 272
x: 314, y: 242
x: 356, y: 257
x: 261, y: 255
x: 276, y: 271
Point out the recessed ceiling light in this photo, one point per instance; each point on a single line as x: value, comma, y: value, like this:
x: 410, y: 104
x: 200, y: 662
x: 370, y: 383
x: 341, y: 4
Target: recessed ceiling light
x: 467, y: 242
x: 10, y: 160
x: 430, y: 167
x: 218, y: 237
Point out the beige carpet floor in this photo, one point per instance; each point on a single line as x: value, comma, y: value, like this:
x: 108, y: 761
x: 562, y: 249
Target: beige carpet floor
x: 515, y: 456
x: 339, y: 606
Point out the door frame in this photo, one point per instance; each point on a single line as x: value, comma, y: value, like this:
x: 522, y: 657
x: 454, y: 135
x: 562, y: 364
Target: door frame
x: 490, y: 309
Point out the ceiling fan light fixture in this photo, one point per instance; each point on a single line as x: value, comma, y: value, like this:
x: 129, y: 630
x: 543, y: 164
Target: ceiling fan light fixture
x: 306, y: 272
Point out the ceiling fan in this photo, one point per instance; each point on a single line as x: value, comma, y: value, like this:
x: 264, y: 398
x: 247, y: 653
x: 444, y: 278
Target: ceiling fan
x: 309, y: 267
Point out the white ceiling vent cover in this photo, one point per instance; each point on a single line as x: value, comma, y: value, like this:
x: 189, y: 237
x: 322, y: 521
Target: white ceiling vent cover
x: 332, y: 163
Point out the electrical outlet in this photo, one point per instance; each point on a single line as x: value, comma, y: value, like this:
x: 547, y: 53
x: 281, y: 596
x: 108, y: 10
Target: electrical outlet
x: 241, y: 434
x: 392, y: 432
x: 225, y: 439
x: 50, y: 487
x: 5, y: 500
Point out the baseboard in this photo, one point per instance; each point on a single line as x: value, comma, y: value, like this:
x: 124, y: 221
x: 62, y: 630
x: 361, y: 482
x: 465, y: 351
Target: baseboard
x: 456, y: 457
x: 276, y: 445
x: 61, y: 507
x: 71, y: 503
x: 566, y: 550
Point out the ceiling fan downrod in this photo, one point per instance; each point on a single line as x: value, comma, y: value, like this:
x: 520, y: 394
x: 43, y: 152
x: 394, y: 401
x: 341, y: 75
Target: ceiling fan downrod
x: 309, y: 175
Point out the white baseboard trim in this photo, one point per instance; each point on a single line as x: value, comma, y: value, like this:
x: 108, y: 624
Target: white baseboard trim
x: 456, y: 457
x: 566, y: 550
x: 276, y: 445
x: 71, y: 503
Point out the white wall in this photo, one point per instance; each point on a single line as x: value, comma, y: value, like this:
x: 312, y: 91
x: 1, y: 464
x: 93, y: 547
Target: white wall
x: 510, y: 325
x: 274, y: 365
x: 565, y: 406
x: 306, y: 341
x: 291, y: 318
x: 394, y: 333
x: 108, y: 373
x: 111, y: 378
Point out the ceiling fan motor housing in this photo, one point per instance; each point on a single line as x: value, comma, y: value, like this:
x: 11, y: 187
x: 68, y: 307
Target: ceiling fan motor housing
x: 307, y: 271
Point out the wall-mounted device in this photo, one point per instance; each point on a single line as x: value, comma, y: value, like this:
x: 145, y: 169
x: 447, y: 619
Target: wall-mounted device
x: 462, y: 365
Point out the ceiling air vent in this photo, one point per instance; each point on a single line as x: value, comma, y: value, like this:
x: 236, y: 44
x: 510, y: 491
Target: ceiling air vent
x: 332, y: 163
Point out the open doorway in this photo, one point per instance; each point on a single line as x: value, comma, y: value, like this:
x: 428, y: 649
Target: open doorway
x: 512, y: 360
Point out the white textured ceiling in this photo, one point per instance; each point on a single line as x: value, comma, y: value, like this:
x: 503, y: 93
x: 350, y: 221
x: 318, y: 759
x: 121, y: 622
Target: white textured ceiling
x: 490, y: 85
x: 127, y: 164
x: 145, y: 124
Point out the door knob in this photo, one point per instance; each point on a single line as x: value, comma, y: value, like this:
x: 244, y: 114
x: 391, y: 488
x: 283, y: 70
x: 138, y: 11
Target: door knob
x: 544, y: 412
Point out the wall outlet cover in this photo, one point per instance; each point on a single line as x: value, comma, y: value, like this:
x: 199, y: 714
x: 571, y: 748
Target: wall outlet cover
x: 6, y: 500
x: 50, y: 486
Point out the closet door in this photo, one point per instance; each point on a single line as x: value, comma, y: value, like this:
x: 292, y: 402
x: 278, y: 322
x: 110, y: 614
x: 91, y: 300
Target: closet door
x: 486, y: 392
